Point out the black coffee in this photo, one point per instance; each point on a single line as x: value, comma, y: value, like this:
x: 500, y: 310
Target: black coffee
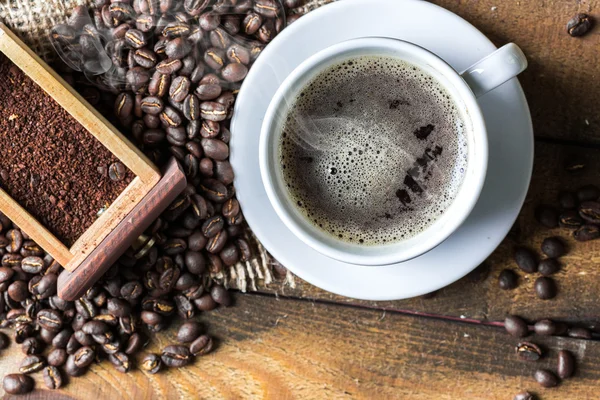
x: 373, y: 150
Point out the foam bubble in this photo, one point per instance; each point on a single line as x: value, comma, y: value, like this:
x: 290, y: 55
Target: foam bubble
x: 374, y: 150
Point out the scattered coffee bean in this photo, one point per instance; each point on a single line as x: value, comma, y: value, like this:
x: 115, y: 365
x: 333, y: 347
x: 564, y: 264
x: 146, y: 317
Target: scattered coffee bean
x: 548, y: 267
x: 507, y: 280
x: 201, y: 346
x: 587, y: 232
x: 545, y: 327
x: 570, y: 219
x: 57, y: 357
x: 553, y: 247
x: 31, y: 364
x: 566, y: 364
x: 188, y: 332
x: 590, y: 211
x: 120, y: 361
x: 527, y: 351
x: 547, y: 216
x: 579, y: 333
x: 52, y: 378
x: 526, y: 260
x: 579, y: 25
x: 516, y: 326
x: 545, y: 378
x: 151, y: 363
x: 545, y: 288
x: 17, y: 384
x: 176, y: 356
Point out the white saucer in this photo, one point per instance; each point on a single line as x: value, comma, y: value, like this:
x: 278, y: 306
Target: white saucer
x: 510, y: 139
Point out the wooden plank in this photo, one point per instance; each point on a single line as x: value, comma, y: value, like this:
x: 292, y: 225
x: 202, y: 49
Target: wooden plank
x: 561, y: 82
x: 578, y: 282
x: 89, y: 269
x: 34, y: 229
x: 286, y: 349
x: 78, y: 107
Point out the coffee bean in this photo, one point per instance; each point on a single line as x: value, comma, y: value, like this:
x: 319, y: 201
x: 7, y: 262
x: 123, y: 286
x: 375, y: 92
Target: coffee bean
x: 52, y: 377
x: 547, y: 216
x: 132, y: 290
x: 151, y: 363
x: 570, y: 219
x: 201, y: 345
x: 32, y: 346
x: 159, y: 84
x: 251, y: 23
x: 215, y: 149
x: 32, y: 264
x: 4, y: 341
x: 566, y: 364
x: 214, y: 190
x: 135, y: 38
x: 17, y: 384
x: 188, y: 332
x: 553, y: 247
x: 234, y: 72
x: 524, y: 396
x: 238, y: 54
x: 191, y: 108
x: 170, y: 118
x: 214, y: 58
x: 152, y: 105
x: 545, y: 378
x: 230, y: 254
x: 50, y: 319
x: 545, y: 327
x: 267, y: 32
x: 216, y: 243
x: 527, y: 351
x: 6, y: 273
x: 579, y: 25
x: 118, y: 307
x: 516, y: 326
x: 266, y: 8
x: 244, y: 249
x: 137, y: 77
x: 587, y: 232
x: 121, y: 11
x: 95, y: 328
x: 526, y: 260
x: 169, y: 66
x: 548, y: 267
x: 71, y: 369
x: 18, y: 291
x: 220, y: 295
x: 588, y: 193
x: 179, y: 89
x: 83, y: 338
x: 151, y: 318
x: 205, y: 303
x: 57, y: 357
x: 134, y: 344
x: 72, y: 345
x: 31, y: 364
x: 178, y: 48
x: 545, y: 288
x: 219, y: 38
x: 117, y: 171
x: 23, y: 331
x: 176, y: 356
x: 124, y: 105
x: 84, y: 356
x: 580, y: 333
x: 195, y: 7
x: 567, y: 200
x: 590, y: 211
x: 176, y: 29
x: 121, y: 361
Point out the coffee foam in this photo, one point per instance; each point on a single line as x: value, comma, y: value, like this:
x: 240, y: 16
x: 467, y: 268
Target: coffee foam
x: 373, y: 150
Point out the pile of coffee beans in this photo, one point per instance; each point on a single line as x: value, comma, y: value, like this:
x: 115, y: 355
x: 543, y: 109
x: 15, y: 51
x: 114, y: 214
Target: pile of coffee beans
x: 175, y: 69
x: 527, y: 351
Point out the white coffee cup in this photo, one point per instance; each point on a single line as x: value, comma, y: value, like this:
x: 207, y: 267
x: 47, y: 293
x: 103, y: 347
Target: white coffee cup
x: 465, y: 87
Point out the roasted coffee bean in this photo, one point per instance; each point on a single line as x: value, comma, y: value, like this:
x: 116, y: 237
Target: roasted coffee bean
x: 120, y: 361
x: 231, y: 24
x: 527, y: 351
x: 587, y: 232
x: 176, y: 356
x: 132, y: 290
x: 52, y: 377
x: 208, y: 91
x: 71, y: 369
x: 194, y: 260
x: 134, y: 344
x: 210, y: 129
x: 191, y: 109
x: 84, y: 356
x: 215, y: 149
x: 160, y: 82
x: 230, y: 254
x: 15, y: 240
x: 6, y: 273
x: 545, y: 327
x: 85, y: 308
x: 124, y: 105
x: 195, y: 7
x: 220, y: 38
x: 238, y: 54
x: 214, y: 58
x: 214, y: 190
x: 169, y: 66
x: 209, y: 21
x: 117, y: 171
x: 526, y: 260
x: 18, y: 291
x: 32, y: 265
x: 176, y: 29
x: 212, y: 226
x: 152, y: 105
x: 72, y: 345
x: 57, y: 357
x: 83, y: 338
x: 266, y: 8
x: 178, y: 48
x: 547, y: 216
x: 179, y: 89
x: 154, y: 136
x: 267, y: 31
x: 507, y: 280
x: 590, y: 211
x: 137, y: 77
x: 548, y: 267
x: 545, y: 378
x: 516, y: 326
x: 17, y: 384
x: 567, y: 200
x: 170, y: 118
x: 220, y: 295
x: 588, y: 193
x: 244, y: 248
x: 95, y: 327
x: 201, y: 345
x: 545, y: 288
x: 216, y: 243
x: 23, y: 331
x: 151, y: 363
x: 50, y: 319
x: 566, y: 364
x: 145, y: 22
x: 251, y: 23
x: 185, y: 308
x: 230, y: 208
x: 579, y: 333
x: 234, y: 72
x: 553, y: 247
x: 224, y: 173
x: 205, y: 303
x: 31, y: 364
x: 579, y: 25
x: 151, y: 317
x: 135, y: 38
x: 118, y: 307
x: 121, y: 11
x: 31, y: 346
x: 570, y: 219
x: 4, y: 341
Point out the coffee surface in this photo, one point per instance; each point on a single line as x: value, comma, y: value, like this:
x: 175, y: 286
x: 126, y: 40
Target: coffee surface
x: 373, y: 150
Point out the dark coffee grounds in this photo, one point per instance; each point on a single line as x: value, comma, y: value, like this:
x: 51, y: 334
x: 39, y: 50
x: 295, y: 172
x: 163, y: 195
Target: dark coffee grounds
x: 50, y: 164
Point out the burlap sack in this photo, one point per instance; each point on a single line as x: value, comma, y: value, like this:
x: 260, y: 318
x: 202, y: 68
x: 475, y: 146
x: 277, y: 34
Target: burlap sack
x: 32, y: 21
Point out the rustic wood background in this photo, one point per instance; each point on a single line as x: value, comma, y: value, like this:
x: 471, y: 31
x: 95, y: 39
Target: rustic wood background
x: 304, y: 343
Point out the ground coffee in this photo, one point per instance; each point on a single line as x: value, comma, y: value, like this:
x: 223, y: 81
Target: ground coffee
x: 49, y: 163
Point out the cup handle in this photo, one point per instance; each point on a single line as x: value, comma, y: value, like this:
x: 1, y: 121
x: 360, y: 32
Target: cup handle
x: 495, y: 69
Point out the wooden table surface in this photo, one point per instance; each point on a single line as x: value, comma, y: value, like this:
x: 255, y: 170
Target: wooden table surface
x: 303, y: 343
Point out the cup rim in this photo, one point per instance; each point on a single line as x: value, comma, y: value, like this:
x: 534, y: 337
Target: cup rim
x: 375, y: 255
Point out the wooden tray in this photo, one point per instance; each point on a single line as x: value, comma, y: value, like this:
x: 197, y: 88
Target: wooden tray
x: 146, y: 178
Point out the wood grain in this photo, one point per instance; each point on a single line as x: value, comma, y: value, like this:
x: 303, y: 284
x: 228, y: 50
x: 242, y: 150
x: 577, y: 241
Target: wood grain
x: 577, y: 282
x: 290, y: 349
x: 36, y: 230
x: 71, y: 285
x: 562, y: 81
